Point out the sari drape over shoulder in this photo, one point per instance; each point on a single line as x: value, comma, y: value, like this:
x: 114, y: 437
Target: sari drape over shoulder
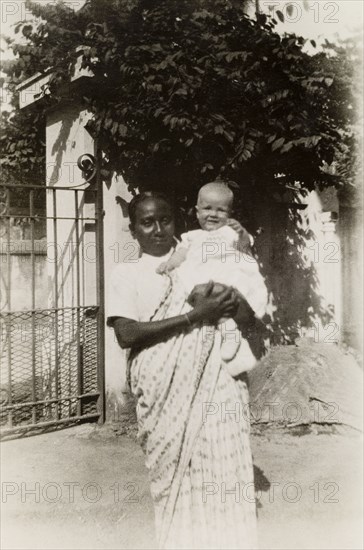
x: 194, y: 428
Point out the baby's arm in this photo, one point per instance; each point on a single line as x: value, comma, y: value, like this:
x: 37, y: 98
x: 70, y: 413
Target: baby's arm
x: 245, y: 247
x: 245, y: 240
x: 177, y: 258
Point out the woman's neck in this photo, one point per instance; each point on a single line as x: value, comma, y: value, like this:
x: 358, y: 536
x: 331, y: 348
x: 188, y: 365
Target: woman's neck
x: 144, y: 253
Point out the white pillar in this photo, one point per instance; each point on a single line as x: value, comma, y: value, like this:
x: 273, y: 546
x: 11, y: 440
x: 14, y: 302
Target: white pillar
x: 118, y: 243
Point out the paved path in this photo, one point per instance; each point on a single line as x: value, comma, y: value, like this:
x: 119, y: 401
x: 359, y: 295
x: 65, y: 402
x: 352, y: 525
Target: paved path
x: 85, y: 487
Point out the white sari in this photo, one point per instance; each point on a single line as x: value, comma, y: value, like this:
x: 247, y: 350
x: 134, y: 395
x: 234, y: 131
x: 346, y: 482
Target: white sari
x: 194, y: 428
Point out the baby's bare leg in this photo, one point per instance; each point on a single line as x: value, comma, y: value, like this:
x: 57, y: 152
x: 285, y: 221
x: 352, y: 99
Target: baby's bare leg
x: 230, y: 338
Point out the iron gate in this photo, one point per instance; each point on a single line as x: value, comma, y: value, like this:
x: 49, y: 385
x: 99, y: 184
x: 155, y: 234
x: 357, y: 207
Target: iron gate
x: 51, y: 308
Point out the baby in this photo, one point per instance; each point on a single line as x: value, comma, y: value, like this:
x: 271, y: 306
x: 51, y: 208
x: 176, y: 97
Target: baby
x: 218, y: 252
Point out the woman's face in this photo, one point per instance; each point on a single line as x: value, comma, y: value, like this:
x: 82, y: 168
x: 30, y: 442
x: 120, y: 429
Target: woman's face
x: 154, y: 226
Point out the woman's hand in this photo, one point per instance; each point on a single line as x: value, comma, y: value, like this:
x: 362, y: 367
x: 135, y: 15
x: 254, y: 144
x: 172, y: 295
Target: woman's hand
x: 209, y: 307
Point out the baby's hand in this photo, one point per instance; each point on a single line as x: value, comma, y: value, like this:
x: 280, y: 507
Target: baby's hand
x: 234, y: 224
x: 244, y: 236
x: 162, y: 268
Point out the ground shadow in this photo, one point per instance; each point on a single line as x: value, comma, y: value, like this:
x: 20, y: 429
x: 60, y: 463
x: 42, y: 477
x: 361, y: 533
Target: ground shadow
x: 261, y: 485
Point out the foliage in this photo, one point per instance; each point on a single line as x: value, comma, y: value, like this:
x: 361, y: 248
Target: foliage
x: 22, y: 133
x: 190, y: 91
x: 22, y: 143
x: 185, y: 92
x: 203, y: 91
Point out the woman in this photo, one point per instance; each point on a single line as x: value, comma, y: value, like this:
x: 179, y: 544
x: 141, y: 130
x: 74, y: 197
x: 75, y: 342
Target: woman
x: 192, y: 414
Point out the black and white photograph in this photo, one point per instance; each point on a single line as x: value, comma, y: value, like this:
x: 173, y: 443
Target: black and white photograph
x: 181, y: 274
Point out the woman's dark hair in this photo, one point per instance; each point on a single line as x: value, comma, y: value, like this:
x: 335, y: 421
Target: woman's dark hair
x: 139, y: 199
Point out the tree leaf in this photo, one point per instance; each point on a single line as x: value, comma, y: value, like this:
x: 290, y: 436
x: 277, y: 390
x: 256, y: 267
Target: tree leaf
x: 287, y: 147
x: 123, y: 130
x: 278, y: 143
x: 206, y: 167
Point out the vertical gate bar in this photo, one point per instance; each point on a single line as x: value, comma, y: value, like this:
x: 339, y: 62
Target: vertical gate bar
x: 55, y: 288
x: 83, y: 251
x: 31, y: 213
x: 8, y: 257
x: 100, y: 270
x: 78, y: 317
x: 83, y: 293
x: 70, y: 334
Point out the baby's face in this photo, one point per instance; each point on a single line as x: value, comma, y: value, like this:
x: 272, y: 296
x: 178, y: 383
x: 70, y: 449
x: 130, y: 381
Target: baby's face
x: 213, y: 209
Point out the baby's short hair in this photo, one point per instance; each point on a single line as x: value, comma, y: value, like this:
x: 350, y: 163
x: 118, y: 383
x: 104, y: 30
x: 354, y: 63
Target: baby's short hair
x: 217, y: 186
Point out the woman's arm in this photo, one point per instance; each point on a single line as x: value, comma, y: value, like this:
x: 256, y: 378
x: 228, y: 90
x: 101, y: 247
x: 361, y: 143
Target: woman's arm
x: 131, y: 333
x: 254, y: 329
x: 245, y: 316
